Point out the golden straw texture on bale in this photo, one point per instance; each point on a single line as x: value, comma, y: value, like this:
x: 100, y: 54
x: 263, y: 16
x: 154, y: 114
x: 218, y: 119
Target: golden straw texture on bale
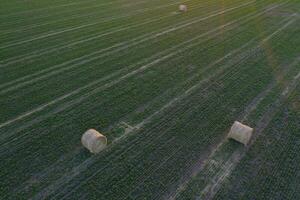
x: 240, y: 133
x: 93, y: 141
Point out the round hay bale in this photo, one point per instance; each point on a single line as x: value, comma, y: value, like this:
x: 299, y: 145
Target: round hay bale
x: 182, y: 8
x: 93, y: 141
x: 240, y: 133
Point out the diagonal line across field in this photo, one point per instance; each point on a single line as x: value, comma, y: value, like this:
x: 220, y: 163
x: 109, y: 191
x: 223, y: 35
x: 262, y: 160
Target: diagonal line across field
x: 211, y: 189
x: 91, y: 14
x: 192, y: 87
x: 264, y: 40
x: 49, y: 7
x: 176, y: 98
x: 233, y: 159
x: 81, y: 40
x: 59, y: 32
x: 163, y: 86
x: 142, y: 68
x: 152, y: 35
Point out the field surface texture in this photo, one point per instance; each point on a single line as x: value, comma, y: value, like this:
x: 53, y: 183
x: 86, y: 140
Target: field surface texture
x: 163, y: 86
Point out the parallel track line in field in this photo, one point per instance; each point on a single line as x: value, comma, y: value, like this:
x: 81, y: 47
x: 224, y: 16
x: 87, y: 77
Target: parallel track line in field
x: 220, y: 122
x: 145, y: 35
x: 248, y: 85
x: 268, y: 39
x: 185, y: 93
x: 219, y: 177
x: 142, y: 68
x: 77, y: 63
x: 176, y: 98
x: 32, y: 26
x: 46, y: 8
x: 73, y: 190
x: 59, y: 110
x: 43, y: 36
x: 90, y: 14
x: 294, y: 63
x: 136, y: 160
x: 195, y: 86
x: 88, y: 162
x: 212, y: 188
x: 84, y: 39
x: 58, y: 47
x: 248, y: 110
x: 169, y: 158
x: 96, y: 172
x: 46, y: 16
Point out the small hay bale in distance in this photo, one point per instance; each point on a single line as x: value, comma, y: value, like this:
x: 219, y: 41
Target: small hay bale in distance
x: 240, y: 132
x: 93, y: 141
x: 182, y: 8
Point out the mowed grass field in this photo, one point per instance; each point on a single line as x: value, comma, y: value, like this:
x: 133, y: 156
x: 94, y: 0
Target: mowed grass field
x: 163, y: 86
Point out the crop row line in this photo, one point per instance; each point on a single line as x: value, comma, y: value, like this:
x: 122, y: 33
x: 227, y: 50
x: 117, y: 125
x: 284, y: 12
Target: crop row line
x: 133, y: 145
x: 84, y: 39
x: 87, y: 15
x: 50, y: 34
x: 107, y: 85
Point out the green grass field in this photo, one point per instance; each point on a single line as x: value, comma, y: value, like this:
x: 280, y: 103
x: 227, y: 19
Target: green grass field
x: 163, y: 86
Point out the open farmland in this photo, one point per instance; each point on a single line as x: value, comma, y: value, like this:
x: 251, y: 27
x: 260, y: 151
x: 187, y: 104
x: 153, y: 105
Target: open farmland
x: 163, y: 86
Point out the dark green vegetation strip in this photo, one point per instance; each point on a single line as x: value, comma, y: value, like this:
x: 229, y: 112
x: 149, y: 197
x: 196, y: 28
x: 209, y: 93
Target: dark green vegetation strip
x: 179, y: 80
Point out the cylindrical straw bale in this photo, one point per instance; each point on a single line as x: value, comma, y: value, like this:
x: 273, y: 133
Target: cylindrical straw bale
x: 93, y: 141
x: 240, y: 133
